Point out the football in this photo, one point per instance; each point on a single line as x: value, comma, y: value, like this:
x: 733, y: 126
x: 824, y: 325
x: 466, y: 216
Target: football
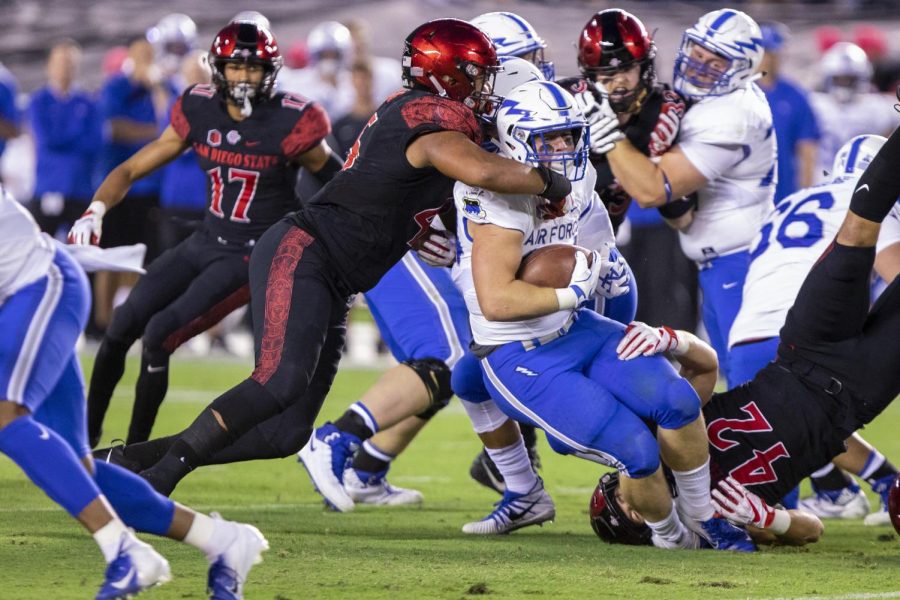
x: 550, y: 266
x: 894, y: 503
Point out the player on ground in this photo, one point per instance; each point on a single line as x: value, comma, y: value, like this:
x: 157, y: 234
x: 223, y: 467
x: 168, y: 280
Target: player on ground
x: 305, y: 269
x: 836, y: 368
x: 725, y: 153
x: 251, y: 141
x: 543, y: 359
x: 44, y: 303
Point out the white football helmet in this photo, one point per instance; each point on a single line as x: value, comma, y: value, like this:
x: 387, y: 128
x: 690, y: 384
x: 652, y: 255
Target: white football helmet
x: 514, y: 36
x: 172, y: 38
x: 253, y: 17
x: 728, y: 33
x: 527, y: 118
x: 846, y: 71
x: 854, y: 157
x: 330, y: 36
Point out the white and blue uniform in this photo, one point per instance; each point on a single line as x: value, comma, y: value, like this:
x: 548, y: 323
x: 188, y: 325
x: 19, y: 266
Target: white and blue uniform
x: 730, y: 140
x: 44, y: 305
x: 560, y: 371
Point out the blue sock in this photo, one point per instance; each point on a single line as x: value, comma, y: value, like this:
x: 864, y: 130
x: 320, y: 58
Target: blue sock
x: 50, y: 463
x: 138, y: 504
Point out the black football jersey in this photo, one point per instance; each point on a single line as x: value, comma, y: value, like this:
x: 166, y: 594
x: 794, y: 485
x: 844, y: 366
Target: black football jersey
x: 660, y: 99
x: 250, y: 176
x: 772, y: 432
x: 379, y: 205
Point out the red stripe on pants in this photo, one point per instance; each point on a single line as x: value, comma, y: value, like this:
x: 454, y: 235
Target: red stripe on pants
x: 216, y: 313
x: 279, y: 288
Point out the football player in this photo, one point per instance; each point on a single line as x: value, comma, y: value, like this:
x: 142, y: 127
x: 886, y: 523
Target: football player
x: 835, y: 371
x: 305, y: 269
x: 514, y: 36
x: 545, y: 361
x: 44, y: 304
x: 251, y: 141
x: 793, y: 236
x: 725, y: 153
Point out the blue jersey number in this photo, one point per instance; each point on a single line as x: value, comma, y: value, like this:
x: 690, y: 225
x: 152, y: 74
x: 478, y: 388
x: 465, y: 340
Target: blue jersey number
x: 814, y: 225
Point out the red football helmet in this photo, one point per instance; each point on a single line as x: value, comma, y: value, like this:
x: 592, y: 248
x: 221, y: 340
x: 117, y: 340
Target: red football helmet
x: 452, y: 58
x: 615, y: 40
x: 608, y: 519
x: 894, y: 503
x: 245, y: 42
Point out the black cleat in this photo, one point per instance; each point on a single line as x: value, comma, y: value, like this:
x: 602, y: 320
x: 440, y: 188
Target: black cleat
x: 484, y: 471
x: 115, y: 455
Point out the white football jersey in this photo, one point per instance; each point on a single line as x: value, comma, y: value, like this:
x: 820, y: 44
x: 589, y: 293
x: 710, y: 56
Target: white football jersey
x: 890, y: 229
x: 840, y: 122
x: 520, y: 212
x: 25, y: 252
x: 737, y: 197
x: 793, y: 237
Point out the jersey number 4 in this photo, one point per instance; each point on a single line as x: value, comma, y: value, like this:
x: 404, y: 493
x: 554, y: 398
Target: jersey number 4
x: 790, y: 237
x: 755, y: 470
x: 248, y: 179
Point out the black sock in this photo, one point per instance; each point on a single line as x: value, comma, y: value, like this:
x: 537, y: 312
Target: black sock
x: 108, y: 368
x: 152, y: 385
x: 365, y: 461
x: 886, y: 469
x: 879, y: 187
x: 350, y: 422
x: 835, y: 479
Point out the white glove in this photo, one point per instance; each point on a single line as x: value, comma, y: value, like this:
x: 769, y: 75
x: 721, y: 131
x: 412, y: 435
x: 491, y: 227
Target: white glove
x: 642, y: 340
x: 87, y: 229
x: 438, y: 249
x: 614, y: 275
x: 584, y: 280
x: 743, y: 507
x: 604, y: 129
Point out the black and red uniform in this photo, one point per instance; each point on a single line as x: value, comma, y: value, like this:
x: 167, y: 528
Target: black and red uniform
x: 306, y: 268
x: 252, y: 170
x: 836, y: 371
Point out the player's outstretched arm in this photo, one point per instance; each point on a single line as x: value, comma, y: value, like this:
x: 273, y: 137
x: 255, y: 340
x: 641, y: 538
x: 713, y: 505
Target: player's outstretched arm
x: 653, y: 184
x: 457, y: 157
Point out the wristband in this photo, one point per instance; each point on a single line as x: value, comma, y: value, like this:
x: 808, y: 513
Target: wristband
x: 567, y: 298
x: 781, y: 522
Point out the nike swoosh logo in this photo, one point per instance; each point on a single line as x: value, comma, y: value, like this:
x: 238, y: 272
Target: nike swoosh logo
x: 252, y: 144
x: 728, y: 286
x: 44, y: 435
x: 864, y: 186
x: 124, y: 582
x: 151, y: 369
x: 515, y: 516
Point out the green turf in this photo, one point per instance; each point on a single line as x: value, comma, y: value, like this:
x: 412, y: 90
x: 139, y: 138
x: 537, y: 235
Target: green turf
x: 420, y: 553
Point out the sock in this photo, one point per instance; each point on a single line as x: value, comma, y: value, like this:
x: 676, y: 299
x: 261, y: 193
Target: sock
x: 108, y: 369
x: 829, y: 478
x: 358, y: 421
x: 877, y: 467
x: 669, y: 529
x: 513, y: 463
x: 693, y: 492
x: 134, y: 500
x: 152, y: 385
x: 49, y: 462
x: 210, y: 536
x: 148, y: 453
x: 879, y: 186
x: 372, y: 459
x: 109, y: 538
x: 529, y: 434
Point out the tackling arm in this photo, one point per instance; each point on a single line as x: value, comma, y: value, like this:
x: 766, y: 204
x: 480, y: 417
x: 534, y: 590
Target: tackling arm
x: 654, y: 184
x: 805, y: 528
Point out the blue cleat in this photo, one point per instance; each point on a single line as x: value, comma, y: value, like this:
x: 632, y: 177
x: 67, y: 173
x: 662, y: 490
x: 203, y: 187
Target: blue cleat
x: 722, y: 535
x: 326, y: 456
x: 137, y: 568
x: 515, y: 511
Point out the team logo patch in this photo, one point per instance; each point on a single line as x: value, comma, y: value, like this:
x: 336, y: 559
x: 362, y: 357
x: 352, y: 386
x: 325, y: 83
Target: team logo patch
x: 214, y: 138
x: 473, y: 208
x: 233, y: 137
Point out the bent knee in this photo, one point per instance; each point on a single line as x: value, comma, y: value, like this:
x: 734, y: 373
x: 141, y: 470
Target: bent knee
x: 681, y: 407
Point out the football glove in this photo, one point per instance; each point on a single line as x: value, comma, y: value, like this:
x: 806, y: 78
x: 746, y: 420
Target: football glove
x: 438, y: 249
x: 614, y: 274
x: 743, y: 507
x: 87, y: 229
x: 583, y: 281
x: 556, y: 186
x: 642, y: 340
x: 605, y: 131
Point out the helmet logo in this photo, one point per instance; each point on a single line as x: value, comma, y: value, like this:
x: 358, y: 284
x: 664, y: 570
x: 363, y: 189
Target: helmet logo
x: 214, y: 138
x: 614, y: 62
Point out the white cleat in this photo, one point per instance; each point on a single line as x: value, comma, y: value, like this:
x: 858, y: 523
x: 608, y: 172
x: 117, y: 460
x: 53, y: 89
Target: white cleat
x: 846, y: 504
x: 377, y: 491
x: 515, y: 511
x: 228, y: 571
x: 688, y: 541
x: 325, y: 457
x: 878, y: 518
x: 136, y: 568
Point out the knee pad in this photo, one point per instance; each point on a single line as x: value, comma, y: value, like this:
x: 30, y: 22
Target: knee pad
x: 435, y: 375
x: 682, y: 405
x: 485, y: 416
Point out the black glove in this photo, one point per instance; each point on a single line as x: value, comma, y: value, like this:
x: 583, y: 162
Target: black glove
x: 556, y: 186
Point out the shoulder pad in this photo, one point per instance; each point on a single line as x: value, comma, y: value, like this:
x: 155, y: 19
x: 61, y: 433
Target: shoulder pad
x: 441, y: 114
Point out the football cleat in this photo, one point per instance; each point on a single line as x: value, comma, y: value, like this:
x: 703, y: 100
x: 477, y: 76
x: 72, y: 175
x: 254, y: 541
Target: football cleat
x: 373, y: 488
x: 484, y: 471
x: 689, y: 541
x: 115, y: 455
x: 722, y: 535
x: 325, y: 457
x: 136, y: 568
x: 845, y: 503
x: 228, y: 571
x: 882, y: 487
x: 515, y: 511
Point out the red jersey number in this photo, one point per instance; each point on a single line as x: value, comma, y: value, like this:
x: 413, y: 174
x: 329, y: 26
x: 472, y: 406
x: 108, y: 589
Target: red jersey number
x: 354, y: 151
x: 249, y: 181
x: 756, y: 470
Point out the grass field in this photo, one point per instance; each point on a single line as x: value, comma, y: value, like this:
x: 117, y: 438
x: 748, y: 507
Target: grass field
x: 420, y: 552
